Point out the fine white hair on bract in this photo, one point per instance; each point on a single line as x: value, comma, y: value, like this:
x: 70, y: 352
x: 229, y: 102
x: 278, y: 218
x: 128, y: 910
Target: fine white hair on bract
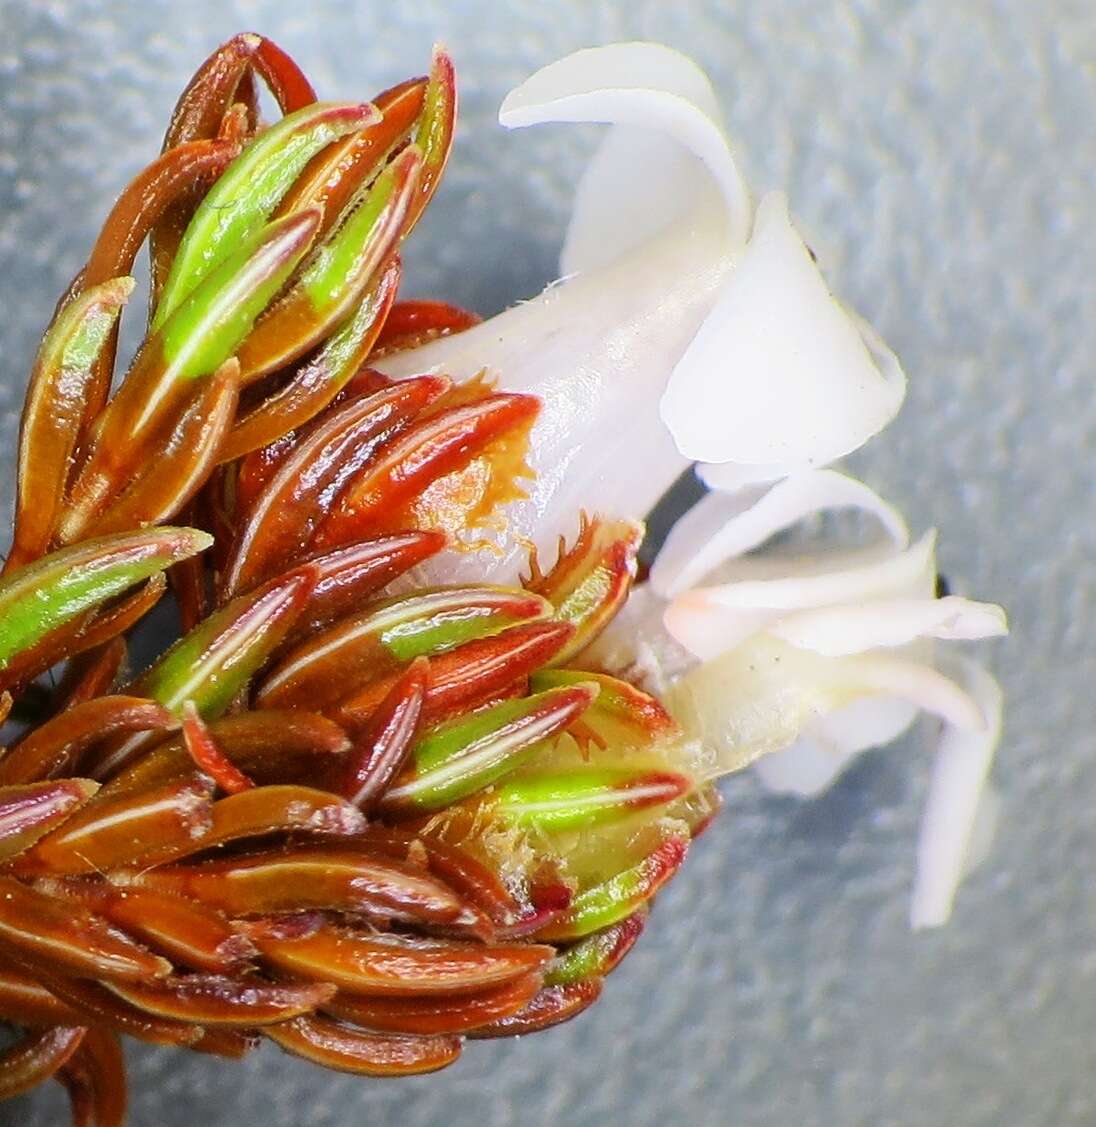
x: 689, y: 326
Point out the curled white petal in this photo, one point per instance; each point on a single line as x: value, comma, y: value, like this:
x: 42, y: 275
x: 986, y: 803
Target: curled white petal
x: 711, y: 620
x: 762, y: 696
x: 668, y: 144
x: 918, y: 683
x: 721, y: 527
x: 779, y: 372
x: 835, y: 631
x: 950, y: 816
x: 829, y: 743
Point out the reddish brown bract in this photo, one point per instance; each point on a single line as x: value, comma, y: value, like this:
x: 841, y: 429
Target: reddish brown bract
x: 293, y: 824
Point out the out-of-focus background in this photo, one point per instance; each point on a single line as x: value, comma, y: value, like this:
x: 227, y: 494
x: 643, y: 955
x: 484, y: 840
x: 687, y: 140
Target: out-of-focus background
x: 941, y: 156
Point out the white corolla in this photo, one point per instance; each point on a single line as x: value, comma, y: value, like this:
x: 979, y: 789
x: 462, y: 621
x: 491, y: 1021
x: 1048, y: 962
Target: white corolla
x: 689, y: 326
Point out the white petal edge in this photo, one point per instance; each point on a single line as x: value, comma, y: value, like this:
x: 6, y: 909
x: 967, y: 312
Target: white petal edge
x: 779, y: 371
x: 720, y: 527
x: 836, y: 631
x: 640, y: 180
x: 729, y: 477
x: 709, y: 621
x: 959, y: 774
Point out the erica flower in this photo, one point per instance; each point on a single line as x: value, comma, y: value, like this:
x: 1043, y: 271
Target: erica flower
x: 688, y: 326
x: 797, y: 657
x: 421, y: 757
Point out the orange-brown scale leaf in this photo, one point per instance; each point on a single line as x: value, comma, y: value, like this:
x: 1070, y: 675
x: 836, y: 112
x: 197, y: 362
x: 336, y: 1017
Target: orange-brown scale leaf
x: 364, y: 655
x: 276, y: 746
x: 99, y: 1006
x: 269, y: 745
x: 319, y: 379
x: 429, y: 1016
x: 259, y: 465
x: 337, y: 174
x: 590, y: 582
x: 332, y: 282
x: 186, y: 931
x: 60, y: 933
x: 208, y: 757
x: 199, y: 114
x: 224, y: 1041
x: 25, y: 1001
x: 219, y: 1000
x: 261, y: 811
x: 287, y: 82
x: 343, y: 1048
x: 30, y: 810
x: 183, y: 462
x: 348, y: 576
x: 413, y: 323
x: 211, y: 91
x: 84, y: 633
x: 216, y: 508
x: 35, y: 1057
x: 552, y: 1006
x: 456, y: 866
x: 434, y: 134
x: 188, y: 584
x: 119, y: 831
x: 472, y: 674
x: 434, y: 448
x: 178, y: 173
x: 254, y: 470
x: 95, y: 1078
x: 382, y: 748
x: 283, y: 520
x: 63, y: 379
x: 92, y: 674
x: 193, y: 342
x: 142, y: 203
x: 400, y: 965
x: 326, y: 878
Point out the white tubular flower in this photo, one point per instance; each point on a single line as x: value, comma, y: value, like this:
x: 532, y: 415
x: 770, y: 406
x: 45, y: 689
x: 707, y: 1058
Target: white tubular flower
x: 672, y: 294
x: 688, y: 327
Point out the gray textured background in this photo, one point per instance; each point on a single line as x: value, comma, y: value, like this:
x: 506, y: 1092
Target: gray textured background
x: 941, y: 154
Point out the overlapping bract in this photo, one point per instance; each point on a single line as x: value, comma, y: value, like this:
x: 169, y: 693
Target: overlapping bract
x: 359, y: 817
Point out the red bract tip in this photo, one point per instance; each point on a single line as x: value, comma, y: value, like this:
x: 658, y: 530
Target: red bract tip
x: 208, y: 756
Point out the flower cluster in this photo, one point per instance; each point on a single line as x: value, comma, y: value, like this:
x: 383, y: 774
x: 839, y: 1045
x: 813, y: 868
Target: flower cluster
x: 386, y: 792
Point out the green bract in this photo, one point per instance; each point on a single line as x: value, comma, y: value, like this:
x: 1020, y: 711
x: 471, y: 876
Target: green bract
x: 42, y: 597
x: 246, y: 195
